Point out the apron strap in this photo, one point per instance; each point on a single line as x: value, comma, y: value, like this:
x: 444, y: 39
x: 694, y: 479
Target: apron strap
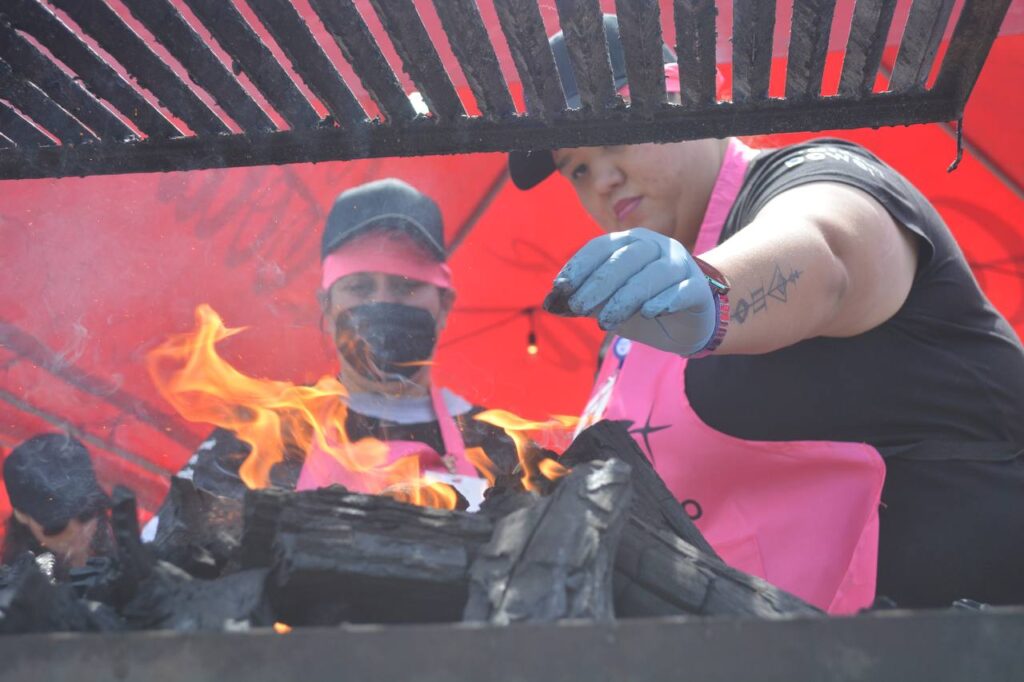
x: 454, y: 446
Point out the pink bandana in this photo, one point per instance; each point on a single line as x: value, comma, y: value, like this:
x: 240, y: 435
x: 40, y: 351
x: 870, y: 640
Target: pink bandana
x: 388, y: 252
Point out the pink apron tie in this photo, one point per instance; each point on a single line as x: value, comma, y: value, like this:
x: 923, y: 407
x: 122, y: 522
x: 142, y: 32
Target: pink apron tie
x: 803, y: 515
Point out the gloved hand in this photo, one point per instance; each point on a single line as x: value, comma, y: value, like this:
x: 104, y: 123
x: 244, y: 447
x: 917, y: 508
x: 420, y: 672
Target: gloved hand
x: 642, y: 285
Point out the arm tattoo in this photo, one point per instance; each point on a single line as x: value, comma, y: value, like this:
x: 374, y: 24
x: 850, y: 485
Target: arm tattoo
x: 777, y: 291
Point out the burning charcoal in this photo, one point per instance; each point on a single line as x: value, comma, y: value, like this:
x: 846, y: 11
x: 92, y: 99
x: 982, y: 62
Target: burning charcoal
x: 198, y: 530
x: 500, y: 501
x: 553, y: 560
x: 652, y: 500
x: 506, y: 495
x: 262, y: 511
x: 343, y: 556
x: 171, y: 599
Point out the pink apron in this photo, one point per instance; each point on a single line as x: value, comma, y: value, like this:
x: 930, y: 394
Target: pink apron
x: 803, y: 515
x: 320, y: 469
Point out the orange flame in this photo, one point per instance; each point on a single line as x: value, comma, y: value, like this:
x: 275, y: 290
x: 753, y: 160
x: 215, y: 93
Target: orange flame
x: 282, y: 628
x: 551, y: 469
x: 484, y: 464
x: 518, y: 429
x: 265, y: 413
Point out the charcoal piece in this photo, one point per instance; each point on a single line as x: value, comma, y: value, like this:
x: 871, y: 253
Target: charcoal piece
x: 259, y: 525
x: 134, y: 561
x: 502, y: 500
x: 30, y: 602
x: 198, y: 530
x: 652, y: 502
x: 553, y: 560
x: 171, y: 599
x: 658, y: 574
x: 557, y: 303
x: 103, y: 617
x: 97, y: 580
x: 340, y: 556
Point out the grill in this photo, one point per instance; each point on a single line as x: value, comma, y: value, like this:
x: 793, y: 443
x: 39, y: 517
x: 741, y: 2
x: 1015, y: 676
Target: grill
x: 83, y: 117
x: 898, y: 646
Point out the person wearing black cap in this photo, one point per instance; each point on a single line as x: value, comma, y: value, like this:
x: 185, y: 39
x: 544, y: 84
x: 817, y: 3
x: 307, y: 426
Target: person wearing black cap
x: 806, y: 358
x: 386, y: 292
x: 58, y: 505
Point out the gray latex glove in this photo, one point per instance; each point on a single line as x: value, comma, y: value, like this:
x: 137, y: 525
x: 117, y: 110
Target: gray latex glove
x: 643, y: 286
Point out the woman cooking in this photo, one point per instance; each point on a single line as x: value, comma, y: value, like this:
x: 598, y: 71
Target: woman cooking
x: 825, y: 388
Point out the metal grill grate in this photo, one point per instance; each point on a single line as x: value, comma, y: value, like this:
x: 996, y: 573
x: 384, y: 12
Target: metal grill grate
x: 65, y: 108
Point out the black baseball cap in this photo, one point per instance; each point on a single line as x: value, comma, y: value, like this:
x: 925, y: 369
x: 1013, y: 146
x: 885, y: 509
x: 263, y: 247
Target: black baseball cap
x: 529, y: 168
x: 50, y: 477
x: 388, y: 203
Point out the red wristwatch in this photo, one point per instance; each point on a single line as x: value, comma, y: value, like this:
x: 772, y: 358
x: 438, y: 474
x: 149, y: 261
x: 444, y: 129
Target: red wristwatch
x: 720, y: 291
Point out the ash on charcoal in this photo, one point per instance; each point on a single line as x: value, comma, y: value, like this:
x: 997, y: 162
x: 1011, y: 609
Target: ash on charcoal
x: 172, y: 599
x: 198, y: 530
x: 653, y: 501
x: 553, y: 559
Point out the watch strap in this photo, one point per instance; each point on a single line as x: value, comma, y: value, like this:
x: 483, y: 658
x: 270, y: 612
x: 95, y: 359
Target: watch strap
x: 721, y: 325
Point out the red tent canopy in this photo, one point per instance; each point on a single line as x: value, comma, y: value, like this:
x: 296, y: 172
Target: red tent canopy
x: 99, y: 270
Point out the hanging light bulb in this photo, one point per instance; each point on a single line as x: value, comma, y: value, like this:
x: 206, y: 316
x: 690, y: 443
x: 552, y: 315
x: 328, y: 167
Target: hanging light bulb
x: 531, y: 338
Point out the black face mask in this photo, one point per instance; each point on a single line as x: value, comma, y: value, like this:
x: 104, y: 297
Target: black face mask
x: 382, y: 339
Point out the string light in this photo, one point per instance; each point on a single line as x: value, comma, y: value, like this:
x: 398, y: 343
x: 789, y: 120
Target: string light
x: 531, y: 338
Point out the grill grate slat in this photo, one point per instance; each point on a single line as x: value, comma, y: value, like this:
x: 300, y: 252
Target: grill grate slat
x: 108, y: 29
x: 19, y: 131
x: 640, y: 28
x: 582, y: 25
x: 40, y: 101
x: 695, y: 49
x: 969, y: 47
x: 808, y: 45
x: 41, y: 109
x: 103, y: 81
x: 310, y: 62
x: 753, y: 25
x: 230, y: 29
x: 871, y: 21
x: 471, y: 45
x: 168, y: 26
x: 419, y: 58
x: 29, y: 63
x: 346, y: 26
x: 925, y: 26
x: 523, y: 27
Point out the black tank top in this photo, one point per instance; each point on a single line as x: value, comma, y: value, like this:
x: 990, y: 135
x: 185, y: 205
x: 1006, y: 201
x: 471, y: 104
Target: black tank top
x: 942, y: 379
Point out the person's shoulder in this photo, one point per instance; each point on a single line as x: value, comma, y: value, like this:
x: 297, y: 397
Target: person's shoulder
x: 824, y: 154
